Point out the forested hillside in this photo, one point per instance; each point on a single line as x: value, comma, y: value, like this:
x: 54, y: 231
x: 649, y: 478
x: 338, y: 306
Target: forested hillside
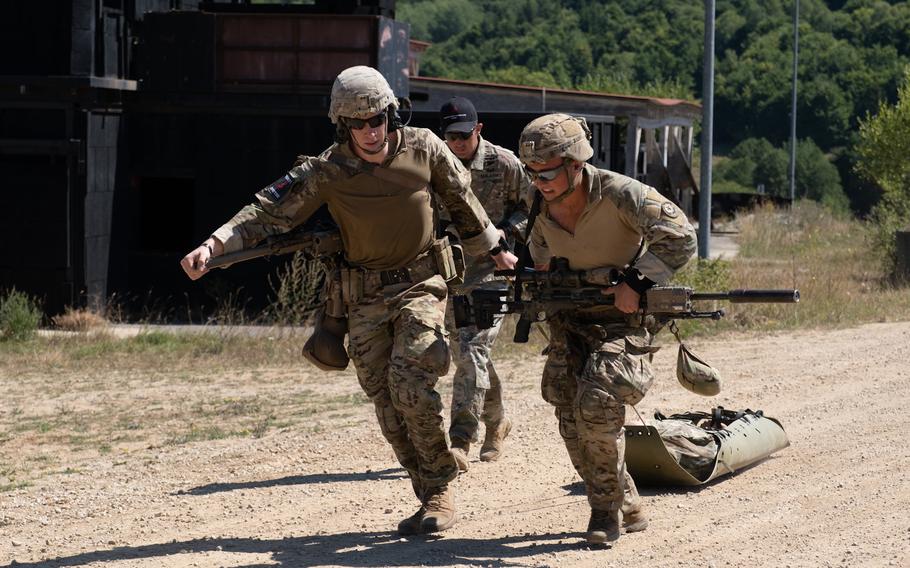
x: 852, y: 56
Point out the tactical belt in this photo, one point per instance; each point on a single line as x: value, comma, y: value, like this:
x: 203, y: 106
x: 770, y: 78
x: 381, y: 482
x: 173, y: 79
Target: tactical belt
x: 358, y: 282
x: 421, y: 269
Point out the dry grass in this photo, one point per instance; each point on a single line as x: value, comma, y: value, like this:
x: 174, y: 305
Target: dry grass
x: 829, y: 258
x: 79, y: 320
x: 75, y: 397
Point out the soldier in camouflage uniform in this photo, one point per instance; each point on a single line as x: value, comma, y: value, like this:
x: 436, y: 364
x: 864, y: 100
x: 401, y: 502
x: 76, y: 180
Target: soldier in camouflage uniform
x: 377, y: 182
x: 499, y: 182
x: 599, y: 359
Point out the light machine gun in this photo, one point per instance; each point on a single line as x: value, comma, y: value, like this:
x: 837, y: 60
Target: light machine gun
x: 533, y: 294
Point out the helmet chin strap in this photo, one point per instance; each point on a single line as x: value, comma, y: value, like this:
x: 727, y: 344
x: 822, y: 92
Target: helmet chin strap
x: 569, y: 191
x: 562, y: 197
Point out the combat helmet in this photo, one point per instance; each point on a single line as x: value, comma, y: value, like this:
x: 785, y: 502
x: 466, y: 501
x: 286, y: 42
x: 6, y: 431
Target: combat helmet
x: 360, y: 92
x: 555, y: 135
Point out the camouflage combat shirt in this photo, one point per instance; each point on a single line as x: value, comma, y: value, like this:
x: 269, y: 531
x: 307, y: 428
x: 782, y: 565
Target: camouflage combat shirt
x: 383, y: 225
x: 623, y: 217
x: 499, y: 182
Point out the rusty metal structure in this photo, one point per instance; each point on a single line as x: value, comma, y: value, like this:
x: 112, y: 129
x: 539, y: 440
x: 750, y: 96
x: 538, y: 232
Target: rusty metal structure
x: 129, y: 129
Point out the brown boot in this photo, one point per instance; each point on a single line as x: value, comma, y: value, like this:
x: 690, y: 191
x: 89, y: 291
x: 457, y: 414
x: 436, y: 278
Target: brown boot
x: 459, y: 451
x: 440, y: 509
x: 603, y: 527
x: 411, y: 525
x: 634, y: 520
x: 494, y: 440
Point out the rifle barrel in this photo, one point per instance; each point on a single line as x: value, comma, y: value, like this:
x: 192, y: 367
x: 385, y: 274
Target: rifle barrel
x: 751, y: 296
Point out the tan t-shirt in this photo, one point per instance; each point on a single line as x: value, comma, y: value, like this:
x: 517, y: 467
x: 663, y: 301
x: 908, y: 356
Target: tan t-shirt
x: 383, y: 225
x: 622, y: 215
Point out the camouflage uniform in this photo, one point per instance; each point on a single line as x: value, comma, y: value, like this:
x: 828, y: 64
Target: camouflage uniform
x: 599, y: 359
x: 499, y: 182
x: 394, y: 299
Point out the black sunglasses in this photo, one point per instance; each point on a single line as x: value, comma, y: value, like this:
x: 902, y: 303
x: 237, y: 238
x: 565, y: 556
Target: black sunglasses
x: 359, y: 123
x: 546, y: 175
x: 453, y: 136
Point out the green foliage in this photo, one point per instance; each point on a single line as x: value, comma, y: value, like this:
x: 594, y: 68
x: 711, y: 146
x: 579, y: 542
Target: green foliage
x: 817, y: 178
x: 705, y: 275
x: 883, y: 150
x: 438, y: 20
x: 851, y: 58
x: 756, y: 161
x: 892, y: 214
x: 626, y: 47
x: 885, y: 143
x: 19, y: 316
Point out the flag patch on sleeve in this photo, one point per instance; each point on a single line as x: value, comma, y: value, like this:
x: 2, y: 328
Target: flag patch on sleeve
x: 278, y: 189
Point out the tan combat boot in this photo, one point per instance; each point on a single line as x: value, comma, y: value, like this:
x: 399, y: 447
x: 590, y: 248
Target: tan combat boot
x: 440, y: 509
x: 494, y: 440
x: 634, y: 520
x: 459, y: 451
x: 603, y: 527
x: 411, y: 525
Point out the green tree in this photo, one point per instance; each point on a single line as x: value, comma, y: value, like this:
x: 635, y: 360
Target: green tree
x: 852, y: 55
x: 883, y: 150
x: 817, y: 177
x: 438, y: 20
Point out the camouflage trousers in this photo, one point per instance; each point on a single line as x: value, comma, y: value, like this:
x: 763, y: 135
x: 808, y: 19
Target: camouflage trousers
x: 476, y: 389
x: 397, y: 342
x: 593, y: 371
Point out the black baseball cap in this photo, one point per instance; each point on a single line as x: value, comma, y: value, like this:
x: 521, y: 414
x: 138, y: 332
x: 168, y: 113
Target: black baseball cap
x: 457, y: 115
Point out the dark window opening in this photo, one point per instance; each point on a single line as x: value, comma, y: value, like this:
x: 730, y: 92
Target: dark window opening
x: 164, y: 207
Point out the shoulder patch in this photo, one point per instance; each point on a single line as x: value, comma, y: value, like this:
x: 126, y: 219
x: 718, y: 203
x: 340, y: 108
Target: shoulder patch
x: 279, y: 188
x: 669, y: 210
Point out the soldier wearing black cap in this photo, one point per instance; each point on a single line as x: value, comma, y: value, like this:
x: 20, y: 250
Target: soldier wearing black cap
x: 499, y: 182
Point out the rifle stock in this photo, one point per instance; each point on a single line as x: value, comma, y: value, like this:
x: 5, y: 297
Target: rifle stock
x: 315, y: 243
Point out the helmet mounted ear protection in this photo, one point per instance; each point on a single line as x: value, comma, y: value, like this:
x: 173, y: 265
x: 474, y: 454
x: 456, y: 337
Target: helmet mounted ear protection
x: 361, y: 92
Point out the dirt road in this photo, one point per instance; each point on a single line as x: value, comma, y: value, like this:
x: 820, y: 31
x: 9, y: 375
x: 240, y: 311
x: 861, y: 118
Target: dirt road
x: 331, y: 494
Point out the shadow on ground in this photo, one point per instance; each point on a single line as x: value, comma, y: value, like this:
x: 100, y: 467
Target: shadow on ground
x: 355, y: 549
x: 309, y: 479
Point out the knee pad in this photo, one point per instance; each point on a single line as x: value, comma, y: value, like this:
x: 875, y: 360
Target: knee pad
x: 425, y: 349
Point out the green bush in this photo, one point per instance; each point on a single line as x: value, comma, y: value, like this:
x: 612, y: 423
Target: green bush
x: 19, y: 316
x: 703, y: 275
x: 884, y: 143
x: 756, y: 161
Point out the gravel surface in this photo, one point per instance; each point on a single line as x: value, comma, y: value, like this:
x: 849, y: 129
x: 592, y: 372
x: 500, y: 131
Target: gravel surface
x: 332, y: 494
